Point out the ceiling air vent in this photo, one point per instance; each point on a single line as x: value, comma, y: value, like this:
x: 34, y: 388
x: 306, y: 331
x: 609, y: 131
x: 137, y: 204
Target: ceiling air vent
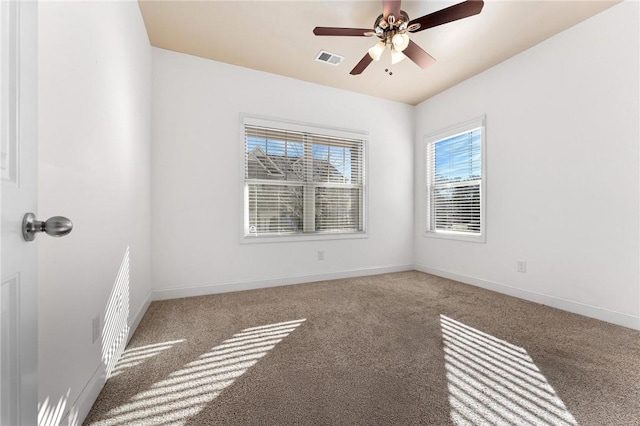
x: 329, y: 58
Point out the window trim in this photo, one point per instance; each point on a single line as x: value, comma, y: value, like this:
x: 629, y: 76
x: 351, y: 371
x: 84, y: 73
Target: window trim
x: 465, y: 127
x: 303, y: 127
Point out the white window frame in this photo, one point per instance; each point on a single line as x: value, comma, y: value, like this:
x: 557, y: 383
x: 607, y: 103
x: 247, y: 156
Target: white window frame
x: 285, y: 125
x: 466, y: 127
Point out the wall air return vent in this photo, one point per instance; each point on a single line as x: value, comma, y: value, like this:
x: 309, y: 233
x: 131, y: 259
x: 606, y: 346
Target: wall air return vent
x: 329, y: 58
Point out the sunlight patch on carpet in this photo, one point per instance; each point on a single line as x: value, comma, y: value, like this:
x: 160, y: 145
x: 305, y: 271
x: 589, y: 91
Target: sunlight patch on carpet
x: 135, y: 356
x: 185, y: 392
x: 492, y: 382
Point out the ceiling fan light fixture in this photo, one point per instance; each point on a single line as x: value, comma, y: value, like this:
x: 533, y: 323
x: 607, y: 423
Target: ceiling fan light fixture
x: 400, y: 41
x: 376, y: 51
x: 396, y: 56
x: 393, y: 30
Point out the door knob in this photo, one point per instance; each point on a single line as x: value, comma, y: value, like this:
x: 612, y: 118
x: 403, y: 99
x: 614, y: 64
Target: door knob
x: 56, y: 226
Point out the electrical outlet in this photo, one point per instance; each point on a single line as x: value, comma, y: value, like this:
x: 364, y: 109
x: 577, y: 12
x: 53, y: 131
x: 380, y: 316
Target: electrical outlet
x: 96, y: 329
x: 522, y: 266
x: 320, y: 254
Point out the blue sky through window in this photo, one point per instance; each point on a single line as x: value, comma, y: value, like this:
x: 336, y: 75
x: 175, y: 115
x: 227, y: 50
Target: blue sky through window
x: 459, y: 157
x: 339, y: 157
x: 276, y: 147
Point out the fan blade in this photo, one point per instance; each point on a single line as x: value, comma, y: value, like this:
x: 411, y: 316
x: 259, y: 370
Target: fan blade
x: 449, y: 14
x: 354, y: 32
x: 364, y: 63
x: 391, y: 7
x: 417, y: 55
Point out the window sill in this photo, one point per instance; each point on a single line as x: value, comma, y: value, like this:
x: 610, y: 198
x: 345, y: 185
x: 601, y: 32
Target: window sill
x: 456, y: 236
x: 301, y: 237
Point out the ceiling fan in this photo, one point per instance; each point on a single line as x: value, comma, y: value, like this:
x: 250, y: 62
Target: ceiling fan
x: 392, y: 27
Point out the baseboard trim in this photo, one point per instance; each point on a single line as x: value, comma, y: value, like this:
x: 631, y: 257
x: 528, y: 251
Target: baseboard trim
x: 202, y: 290
x: 82, y: 405
x: 136, y: 320
x: 80, y: 409
x: 596, y: 312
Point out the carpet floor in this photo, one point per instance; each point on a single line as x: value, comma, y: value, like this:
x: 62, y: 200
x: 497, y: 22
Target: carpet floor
x: 395, y: 349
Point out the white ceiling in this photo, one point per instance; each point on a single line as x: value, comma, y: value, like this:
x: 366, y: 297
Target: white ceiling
x: 277, y: 37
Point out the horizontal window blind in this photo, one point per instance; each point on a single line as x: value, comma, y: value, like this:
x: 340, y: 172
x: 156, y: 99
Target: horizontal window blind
x: 337, y: 209
x: 302, y: 182
x: 273, y: 154
x: 275, y: 209
x: 454, y: 183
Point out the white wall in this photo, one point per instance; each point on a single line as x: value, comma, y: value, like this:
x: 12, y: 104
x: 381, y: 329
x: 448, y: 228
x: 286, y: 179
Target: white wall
x: 562, y: 171
x: 197, y: 172
x: 563, y: 177
x: 94, y: 167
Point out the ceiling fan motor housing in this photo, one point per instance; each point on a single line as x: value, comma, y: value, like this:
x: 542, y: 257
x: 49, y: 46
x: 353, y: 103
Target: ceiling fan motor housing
x: 386, y: 29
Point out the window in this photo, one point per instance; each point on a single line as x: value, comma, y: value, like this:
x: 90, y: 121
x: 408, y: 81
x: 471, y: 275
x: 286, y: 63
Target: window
x: 302, y: 180
x: 455, y: 182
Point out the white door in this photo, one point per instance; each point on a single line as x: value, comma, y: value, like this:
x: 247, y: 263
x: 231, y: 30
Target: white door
x: 18, y: 161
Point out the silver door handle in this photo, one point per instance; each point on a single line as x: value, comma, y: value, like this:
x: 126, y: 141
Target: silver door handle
x: 57, y: 226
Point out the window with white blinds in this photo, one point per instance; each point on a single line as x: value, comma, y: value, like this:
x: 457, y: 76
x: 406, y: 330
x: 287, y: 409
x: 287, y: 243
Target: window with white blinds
x: 299, y: 181
x: 455, y: 182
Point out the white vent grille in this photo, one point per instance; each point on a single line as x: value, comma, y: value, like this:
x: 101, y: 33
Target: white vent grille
x: 329, y: 58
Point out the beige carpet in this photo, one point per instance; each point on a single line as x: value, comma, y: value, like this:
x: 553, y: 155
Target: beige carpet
x: 396, y: 349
